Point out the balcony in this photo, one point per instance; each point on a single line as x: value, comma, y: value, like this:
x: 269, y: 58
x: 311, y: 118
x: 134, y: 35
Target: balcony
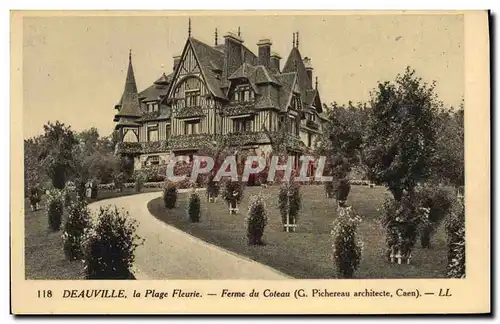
x: 236, y: 108
x: 142, y: 147
x: 190, y: 112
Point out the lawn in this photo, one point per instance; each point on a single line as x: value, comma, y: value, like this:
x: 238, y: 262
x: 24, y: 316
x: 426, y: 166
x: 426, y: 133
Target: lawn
x: 307, y: 252
x: 44, y: 257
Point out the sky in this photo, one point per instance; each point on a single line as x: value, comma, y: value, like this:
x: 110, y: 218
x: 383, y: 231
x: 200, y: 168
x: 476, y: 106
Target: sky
x: 74, y: 67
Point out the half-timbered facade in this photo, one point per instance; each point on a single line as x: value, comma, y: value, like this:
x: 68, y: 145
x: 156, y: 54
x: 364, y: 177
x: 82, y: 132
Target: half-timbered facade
x: 221, y: 90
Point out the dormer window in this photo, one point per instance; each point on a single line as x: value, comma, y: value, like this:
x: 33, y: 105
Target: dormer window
x: 296, y: 104
x: 243, y: 93
x: 152, y: 107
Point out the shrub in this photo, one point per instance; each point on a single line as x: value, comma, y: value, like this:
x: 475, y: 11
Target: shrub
x: 139, y: 182
x: 343, y: 189
x: 232, y: 190
x: 55, y: 209
x: 78, y: 220
x: 455, y: 229
x: 438, y: 200
x: 95, y: 190
x: 109, y: 246
x: 347, y: 249
x: 67, y: 197
x: 213, y: 188
x: 329, y: 189
x: 289, y: 201
x: 119, y: 181
x: 170, y: 195
x: 256, y: 219
x: 402, y: 221
x: 194, y: 207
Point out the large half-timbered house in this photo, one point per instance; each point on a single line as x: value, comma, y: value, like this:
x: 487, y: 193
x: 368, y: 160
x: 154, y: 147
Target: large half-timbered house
x: 220, y: 90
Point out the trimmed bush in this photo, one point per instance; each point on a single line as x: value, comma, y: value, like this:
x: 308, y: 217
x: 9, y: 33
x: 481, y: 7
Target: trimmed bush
x: 438, y: 200
x: 232, y: 191
x: 256, y: 219
x: 95, y: 190
x: 455, y: 229
x: 347, y: 249
x: 109, y: 246
x: 170, y: 195
x: 139, y: 182
x: 194, y: 207
x: 78, y: 220
x: 289, y: 201
x: 67, y: 198
x: 343, y: 189
x: 119, y: 181
x: 402, y: 221
x: 329, y: 189
x: 55, y: 208
x: 213, y: 188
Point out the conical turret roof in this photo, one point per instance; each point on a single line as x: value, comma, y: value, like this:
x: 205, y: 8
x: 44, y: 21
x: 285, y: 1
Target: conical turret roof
x: 129, y: 104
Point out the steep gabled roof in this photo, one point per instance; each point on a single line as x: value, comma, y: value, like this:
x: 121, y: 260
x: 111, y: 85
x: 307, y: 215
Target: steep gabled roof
x: 129, y: 105
x: 209, y: 59
x: 157, y: 90
x: 287, y: 81
x: 294, y: 63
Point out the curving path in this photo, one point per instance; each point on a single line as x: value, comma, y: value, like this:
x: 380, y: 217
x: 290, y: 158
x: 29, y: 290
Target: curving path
x: 169, y: 253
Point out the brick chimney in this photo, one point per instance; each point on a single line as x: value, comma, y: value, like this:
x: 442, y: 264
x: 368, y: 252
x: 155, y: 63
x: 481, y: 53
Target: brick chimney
x: 233, y: 53
x: 274, y: 63
x: 264, y: 52
x: 309, y: 70
x: 177, y: 59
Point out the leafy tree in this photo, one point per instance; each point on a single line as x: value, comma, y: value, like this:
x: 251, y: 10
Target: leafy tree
x: 341, y: 141
x: 57, y: 152
x: 401, y: 140
x: 449, y: 159
x: 94, y: 157
x: 32, y: 173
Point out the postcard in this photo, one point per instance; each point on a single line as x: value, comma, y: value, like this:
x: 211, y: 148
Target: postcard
x: 250, y: 162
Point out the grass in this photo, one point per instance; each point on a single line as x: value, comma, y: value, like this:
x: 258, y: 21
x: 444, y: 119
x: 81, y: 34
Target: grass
x: 307, y: 252
x: 44, y: 256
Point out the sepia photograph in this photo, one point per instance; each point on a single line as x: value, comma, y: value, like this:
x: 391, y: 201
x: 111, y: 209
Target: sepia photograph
x: 249, y: 147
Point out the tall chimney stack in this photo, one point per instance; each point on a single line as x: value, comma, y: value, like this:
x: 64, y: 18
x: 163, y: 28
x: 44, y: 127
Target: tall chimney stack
x: 264, y: 52
x: 233, y: 53
x: 274, y: 62
x: 309, y: 71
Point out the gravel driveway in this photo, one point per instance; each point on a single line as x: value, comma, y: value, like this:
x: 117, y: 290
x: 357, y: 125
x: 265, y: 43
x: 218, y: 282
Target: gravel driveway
x: 169, y: 253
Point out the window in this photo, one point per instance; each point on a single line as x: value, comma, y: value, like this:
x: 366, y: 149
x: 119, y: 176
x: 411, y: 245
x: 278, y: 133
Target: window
x: 311, y: 117
x: 241, y: 125
x: 153, y: 160
x: 152, y: 133
x: 243, y: 93
x: 271, y: 116
x: 192, y: 98
x: 292, y: 125
x: 296, y: 102
x: 191, y: 128
x: 309, y: 139
x: 168, y: 130
x: 130, y: 136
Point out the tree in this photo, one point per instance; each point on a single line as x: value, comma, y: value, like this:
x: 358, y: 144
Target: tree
x: 57, y: 152
x: 342, y: 140
x: 33, y: 176
x: 94, y: 157
x: 402, y: 133
x: 449, y: 159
